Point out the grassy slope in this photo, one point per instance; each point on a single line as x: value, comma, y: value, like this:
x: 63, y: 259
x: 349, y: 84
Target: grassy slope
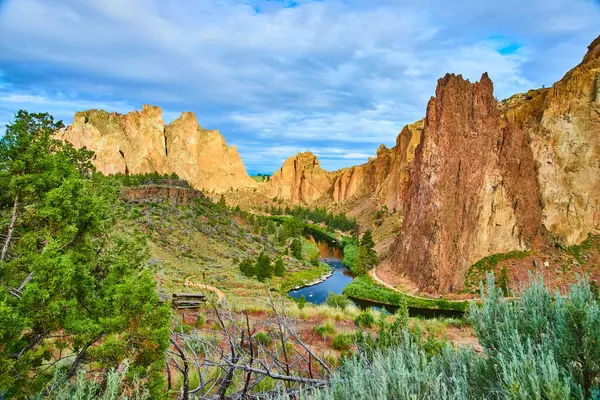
x: 204, y: 240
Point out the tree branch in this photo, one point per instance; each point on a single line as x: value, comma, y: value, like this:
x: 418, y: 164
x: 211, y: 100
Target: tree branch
x: 11, y: 228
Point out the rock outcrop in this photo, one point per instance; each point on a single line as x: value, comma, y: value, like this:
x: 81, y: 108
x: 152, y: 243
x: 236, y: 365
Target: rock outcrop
x: 490, y: 178
x: 139, y: 142
x: 386, y: 176
x: 300, y: 179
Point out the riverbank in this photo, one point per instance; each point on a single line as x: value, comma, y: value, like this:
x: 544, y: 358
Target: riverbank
x: 310, y: 277
x: 366, y: 289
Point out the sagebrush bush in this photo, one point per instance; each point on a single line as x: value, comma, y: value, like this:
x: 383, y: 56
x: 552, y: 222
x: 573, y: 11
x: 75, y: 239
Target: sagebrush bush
x: 540, y: 345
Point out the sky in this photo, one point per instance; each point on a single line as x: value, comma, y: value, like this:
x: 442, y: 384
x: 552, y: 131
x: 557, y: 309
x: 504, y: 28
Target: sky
x: 275, y: 77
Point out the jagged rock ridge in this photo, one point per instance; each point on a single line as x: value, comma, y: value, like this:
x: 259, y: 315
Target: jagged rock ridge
x: 139, y: 142
x: 489, y: 179
x: 386, y: 176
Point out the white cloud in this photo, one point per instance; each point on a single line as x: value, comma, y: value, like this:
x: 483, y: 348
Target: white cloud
x: 343, y: 73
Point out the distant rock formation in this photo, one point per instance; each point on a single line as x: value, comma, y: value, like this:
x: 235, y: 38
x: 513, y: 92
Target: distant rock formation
x: 491, y: 178
x: 386, y: 176
x: 300, y: 179
x: 139, y: 142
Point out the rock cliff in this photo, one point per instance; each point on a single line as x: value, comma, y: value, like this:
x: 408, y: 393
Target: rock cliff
x: 386, y: 176
x: 139, y: 142
x: 490, y: 178
x: 300, y: 179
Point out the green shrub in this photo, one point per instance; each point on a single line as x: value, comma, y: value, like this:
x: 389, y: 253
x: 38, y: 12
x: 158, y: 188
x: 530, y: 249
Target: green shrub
x: 325, y: 330
x: 541, y: 345
x: 342, y: 341
x: 337, y: 300
x: 263, y: 338
x: 365, y: 319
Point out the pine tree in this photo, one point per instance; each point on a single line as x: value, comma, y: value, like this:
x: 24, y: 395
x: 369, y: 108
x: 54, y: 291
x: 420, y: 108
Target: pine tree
x: 279, y: 267
x: 264, y: 269
x: 296, y: 248
x: 247, y: 268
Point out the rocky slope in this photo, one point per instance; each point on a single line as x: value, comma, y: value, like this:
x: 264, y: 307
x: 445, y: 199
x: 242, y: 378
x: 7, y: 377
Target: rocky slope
x: 139, y: 142
x: 386, y: 176
x: 489, y: 179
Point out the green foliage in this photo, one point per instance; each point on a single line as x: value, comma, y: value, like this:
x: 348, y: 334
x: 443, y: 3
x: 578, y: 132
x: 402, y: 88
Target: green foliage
x: 364, y: 288
x: 264, y: 268
x: 342, y: 341
x: 542, y: 345
x: 325, y: 330
x: 247, y: 267
x: 279, y: 269
x: 489, y: 264
x: 152, y: 178
x: 543, y: 341
x: 79, y: 275
x: 263, y: 338
x: 581, y: 251
x: 337, y: 300
x: 365, y: 319
x: 296, y: 248
x: 315, y: 260
x: 359, y: 257
x: 85, y: 388
x: 320, y: 215
x: 302, y: 278
x: 302, y: 302
x: 350, y: 251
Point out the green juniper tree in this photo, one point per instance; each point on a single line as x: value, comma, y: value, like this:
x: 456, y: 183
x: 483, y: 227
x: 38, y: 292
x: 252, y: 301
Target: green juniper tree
x: 264, y: 269
x: 279, y: 269
x: 68, y: 278
x: 247, y: 268
x: 296, y: 248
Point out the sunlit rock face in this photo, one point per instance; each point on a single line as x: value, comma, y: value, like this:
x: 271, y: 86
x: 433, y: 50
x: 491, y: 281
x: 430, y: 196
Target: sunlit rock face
x: 490, y: 178
x: 139, y: 142
x: 300, y: 179
x: 386, y: 176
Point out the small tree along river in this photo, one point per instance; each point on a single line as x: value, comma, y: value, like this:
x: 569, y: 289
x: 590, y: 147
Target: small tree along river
x: 331, y: 254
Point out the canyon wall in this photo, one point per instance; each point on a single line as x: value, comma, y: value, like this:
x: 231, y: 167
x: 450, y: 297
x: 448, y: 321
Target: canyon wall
x: 139, y: 142
x: 490, y: 178
x: 300, y: 179
x: 386, y: 176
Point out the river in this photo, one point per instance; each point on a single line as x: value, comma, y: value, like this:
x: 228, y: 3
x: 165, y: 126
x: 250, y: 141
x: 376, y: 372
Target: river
x: 331, y: 254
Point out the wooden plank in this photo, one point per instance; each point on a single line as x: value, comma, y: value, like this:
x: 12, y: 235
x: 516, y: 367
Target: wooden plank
x: 189, y: 295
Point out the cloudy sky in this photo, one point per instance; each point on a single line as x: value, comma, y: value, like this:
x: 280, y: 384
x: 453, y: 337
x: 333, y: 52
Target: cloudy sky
x: 336, y: 77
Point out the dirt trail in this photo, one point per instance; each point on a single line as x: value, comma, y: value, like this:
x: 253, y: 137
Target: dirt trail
x: 218, y: 292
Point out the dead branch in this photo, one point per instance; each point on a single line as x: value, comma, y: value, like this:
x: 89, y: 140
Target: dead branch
x: 11, y: 228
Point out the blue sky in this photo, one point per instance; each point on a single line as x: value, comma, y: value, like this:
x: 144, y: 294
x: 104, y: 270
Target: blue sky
x: 336, y: 77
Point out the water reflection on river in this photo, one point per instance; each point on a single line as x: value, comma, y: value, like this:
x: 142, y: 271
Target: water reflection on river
x: 317, y: 294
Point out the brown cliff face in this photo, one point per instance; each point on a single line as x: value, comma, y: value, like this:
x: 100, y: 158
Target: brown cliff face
x: 386, y: 176
x: 139, y: 142
x: 491, y: 178
x: 300, y: 179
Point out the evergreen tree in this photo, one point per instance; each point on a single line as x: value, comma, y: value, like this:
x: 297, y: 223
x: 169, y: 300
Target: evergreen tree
x: 64, y: 268
x: 264, y: 269
x: 222, y: 202
x: 247, y: 268
x: 296, y: 248
x: 315, y: 260
x: 279, y: 267
x: 367, y: 240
